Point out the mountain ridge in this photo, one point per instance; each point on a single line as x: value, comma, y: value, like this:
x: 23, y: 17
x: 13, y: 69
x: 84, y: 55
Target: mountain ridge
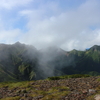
x: 24, y: 62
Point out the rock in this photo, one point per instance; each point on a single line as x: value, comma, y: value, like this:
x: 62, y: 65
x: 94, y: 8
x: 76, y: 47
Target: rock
x: 25, y: 95
x: 92, y: 91
x: 97, y: 97
x: 85, y: 91
x: 24, y: 91
x: 0, y: 96
x: 18, y: 91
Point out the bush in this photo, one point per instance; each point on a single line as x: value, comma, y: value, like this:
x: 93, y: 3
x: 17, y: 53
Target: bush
x: 68, y: 76
x: 54, y: 78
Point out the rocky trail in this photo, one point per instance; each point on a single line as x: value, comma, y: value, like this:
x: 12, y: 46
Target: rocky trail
x: 66, y: 89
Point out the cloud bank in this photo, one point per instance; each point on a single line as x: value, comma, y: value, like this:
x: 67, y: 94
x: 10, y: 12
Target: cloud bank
x: 48, y: 23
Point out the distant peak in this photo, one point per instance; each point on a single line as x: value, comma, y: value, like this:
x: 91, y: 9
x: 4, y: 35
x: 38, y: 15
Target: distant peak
x: 18, y: 42
x: 74, y: 50
x: 95, y: 47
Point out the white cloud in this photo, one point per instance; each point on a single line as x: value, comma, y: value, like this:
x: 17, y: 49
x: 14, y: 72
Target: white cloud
x: 49, y: 25
x: 8, y: 4
x: 70, y: 29
x: 10, y: 36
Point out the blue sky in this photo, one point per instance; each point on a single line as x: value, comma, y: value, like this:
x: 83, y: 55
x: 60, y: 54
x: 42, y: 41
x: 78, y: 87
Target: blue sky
x: 69, y: 24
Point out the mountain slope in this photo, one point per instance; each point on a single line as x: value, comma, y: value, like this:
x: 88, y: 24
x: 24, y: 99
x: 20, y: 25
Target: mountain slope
x: 24, y: 62
x: 16, y: 60
x: 88, y: 60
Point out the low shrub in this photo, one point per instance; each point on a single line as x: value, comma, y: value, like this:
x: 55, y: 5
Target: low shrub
x: 68, y: 76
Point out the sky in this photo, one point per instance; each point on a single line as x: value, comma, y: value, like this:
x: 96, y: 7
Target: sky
x: 68, y: 24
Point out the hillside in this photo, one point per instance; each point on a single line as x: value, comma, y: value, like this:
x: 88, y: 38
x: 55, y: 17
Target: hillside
x: 66, y: 89
x: 20, y: 62
x: 16, y: 61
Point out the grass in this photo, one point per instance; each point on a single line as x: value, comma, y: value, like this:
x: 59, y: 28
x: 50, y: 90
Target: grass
x: 57, y: 89
x: 91, y: 97
x: 54, y: 92
x: 98, y: 79
x: 35, y: 91
x: 12, y: 85
x: 56, y: 95
x: 38, y: 93
x: 11, y: 98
